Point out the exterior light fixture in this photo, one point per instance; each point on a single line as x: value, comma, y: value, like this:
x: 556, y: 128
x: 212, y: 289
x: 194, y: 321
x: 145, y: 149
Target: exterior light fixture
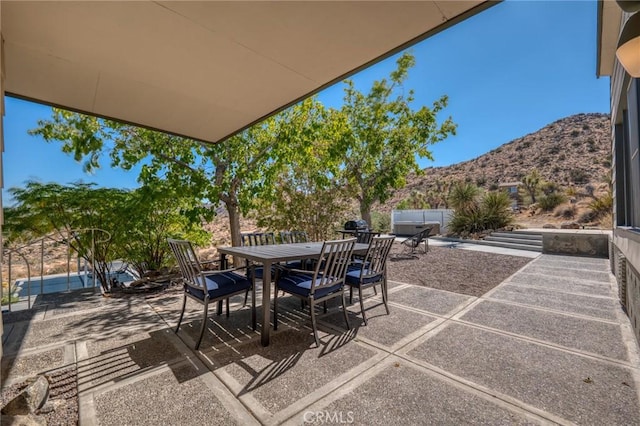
x: 629, y: 6
x: 628, y: 51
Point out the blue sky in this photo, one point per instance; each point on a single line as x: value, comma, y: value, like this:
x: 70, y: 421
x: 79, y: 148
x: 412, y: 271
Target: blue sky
x: 508, y: 71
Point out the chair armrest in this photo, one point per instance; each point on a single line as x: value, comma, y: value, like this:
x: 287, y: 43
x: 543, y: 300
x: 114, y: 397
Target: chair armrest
x: 221, y: 271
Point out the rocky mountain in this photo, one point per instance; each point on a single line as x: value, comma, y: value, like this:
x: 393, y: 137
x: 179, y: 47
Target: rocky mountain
x: 572, y: 152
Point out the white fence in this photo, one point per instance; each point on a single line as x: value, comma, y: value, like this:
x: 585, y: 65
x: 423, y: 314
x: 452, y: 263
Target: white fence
x: 420, y: 217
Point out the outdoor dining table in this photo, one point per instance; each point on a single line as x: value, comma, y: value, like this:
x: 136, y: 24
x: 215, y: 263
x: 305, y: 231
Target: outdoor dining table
x: 268, y: 255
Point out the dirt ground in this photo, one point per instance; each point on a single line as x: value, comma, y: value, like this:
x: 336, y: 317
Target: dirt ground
x: 460, y: 271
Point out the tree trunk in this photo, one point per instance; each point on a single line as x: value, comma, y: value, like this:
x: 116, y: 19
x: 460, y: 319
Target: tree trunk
x: 365, y: 212
x: 234, y: 227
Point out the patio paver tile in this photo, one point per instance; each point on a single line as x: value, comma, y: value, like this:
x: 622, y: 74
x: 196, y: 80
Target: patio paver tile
x: 176, y: 397
x: 428, y: 299
x: 596, y: 307
x: 578, y: 333
x: 404, y: 395
x: 567, y: 285
x: 577, y: 388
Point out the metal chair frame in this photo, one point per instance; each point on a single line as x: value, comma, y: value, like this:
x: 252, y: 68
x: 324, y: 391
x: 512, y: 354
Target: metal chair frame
x: 330, y: 271
x: 291, y: 237
x: 412, y: 243
x: 373, y: 265
x: 194, y: 277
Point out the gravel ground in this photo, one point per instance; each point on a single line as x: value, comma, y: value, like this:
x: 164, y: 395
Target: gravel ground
x: 63, y: 386
x: 460, y: 271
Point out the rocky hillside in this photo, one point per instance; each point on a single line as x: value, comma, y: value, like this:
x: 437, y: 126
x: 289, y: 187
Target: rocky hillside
x: 574, y: 151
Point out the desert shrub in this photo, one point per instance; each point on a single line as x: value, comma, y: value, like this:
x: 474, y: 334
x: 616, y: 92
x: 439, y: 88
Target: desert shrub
x: 561, y: 157
x: 381, y: 221
x: 494, y: 187
x: 587, y: 216
x: 602, y: 205
x: 575, y: 133
x: 578, y: 176
x: 551, y: 201
x: 549, y: 188
x: 555, y: 149
x: 481, y: 181
x: 565, y: 211
x: 473, y: 215
x: 571, y: 191
x: 589, y: 189
x: 463, y: 196
x: 496, y: 210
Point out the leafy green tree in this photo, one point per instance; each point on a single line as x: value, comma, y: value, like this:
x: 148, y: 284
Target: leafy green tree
x: 238, y: 173
x: 308, y: 193
x: 153, y: 214
x: 104, y: 224
x: 383, y: 135
x: 78, y: 213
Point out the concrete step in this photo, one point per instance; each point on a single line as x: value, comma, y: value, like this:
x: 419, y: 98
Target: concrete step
x: 514, y: 240
x: 518, y: 235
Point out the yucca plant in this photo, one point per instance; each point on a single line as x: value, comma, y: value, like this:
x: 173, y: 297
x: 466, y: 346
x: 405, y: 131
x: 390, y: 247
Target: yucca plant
x: 496, y: 209
x: 472, y: 215
x: 464, y: 196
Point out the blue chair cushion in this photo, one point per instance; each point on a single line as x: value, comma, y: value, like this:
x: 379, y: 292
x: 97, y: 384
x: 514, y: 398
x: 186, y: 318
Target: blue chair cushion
x: 301, y: 284
x: 259, y: 271
x: 353, y: 277
x: 220, y: 285
x: 298, y: 264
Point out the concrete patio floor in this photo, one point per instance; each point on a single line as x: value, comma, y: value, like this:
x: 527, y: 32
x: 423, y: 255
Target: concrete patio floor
x: 548, y: 345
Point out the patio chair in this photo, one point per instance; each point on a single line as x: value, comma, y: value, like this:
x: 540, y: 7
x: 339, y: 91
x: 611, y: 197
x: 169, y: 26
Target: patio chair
x: 313, y: 287
x: 208, y: 286
x: 292, y: 237
x: 371, y: 271
x: 411, y: 246
x: 256, y: 239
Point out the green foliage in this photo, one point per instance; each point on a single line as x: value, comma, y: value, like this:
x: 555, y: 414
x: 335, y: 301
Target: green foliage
x: 496, y: 210
x: 602, y: 205
x: 380, y: 221
x: 415, y: 201
x: 471, y: 215
x: 531, y: 183
x: 549, y: 188
x: 463, y: 196
x: 551, y: 201
x: 103, y: 224
x: 383, y: 136
x: 308, y: 198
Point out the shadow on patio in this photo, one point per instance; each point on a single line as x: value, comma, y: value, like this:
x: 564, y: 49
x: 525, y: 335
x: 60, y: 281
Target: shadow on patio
x: 549, y: 344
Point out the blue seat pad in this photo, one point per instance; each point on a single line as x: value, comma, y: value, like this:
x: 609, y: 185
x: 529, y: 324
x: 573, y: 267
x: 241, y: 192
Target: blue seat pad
x: 301, y: 284
x: 259, y: 271
x: 353, y: 277
x: 219, y: 285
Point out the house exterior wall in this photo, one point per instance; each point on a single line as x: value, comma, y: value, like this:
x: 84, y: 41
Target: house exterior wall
x: 1, y: 150
x: 625, y: 151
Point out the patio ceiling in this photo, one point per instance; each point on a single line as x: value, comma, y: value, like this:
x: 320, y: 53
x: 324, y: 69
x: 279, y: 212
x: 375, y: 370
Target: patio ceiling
x: 202, y: 69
